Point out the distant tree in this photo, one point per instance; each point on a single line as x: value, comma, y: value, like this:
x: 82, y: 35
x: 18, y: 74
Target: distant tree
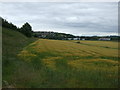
x: 26, y: 29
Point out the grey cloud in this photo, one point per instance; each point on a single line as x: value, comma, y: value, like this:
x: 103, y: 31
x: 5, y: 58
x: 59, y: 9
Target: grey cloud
x: 74, y: 18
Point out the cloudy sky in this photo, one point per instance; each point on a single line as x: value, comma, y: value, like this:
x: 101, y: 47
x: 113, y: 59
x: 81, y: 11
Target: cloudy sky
x: 83, y: 18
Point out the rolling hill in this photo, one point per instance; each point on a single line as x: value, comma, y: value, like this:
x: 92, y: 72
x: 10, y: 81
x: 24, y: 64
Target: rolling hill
x: 68, y: 64
x: 44, y: 63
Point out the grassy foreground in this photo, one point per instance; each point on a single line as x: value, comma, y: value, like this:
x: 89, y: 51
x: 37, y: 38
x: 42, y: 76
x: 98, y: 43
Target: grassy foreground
x: 28, y: 63
x: 12, y: 43
x: 67, y: 64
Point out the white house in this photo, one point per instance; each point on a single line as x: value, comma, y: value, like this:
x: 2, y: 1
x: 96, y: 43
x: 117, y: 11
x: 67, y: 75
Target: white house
x: 76, y: 38
x: 105, y: 39
x: 83, y: 38
x: 73, y: 38
x: 69, y: 38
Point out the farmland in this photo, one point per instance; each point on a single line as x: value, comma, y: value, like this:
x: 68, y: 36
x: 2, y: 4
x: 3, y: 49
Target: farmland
x: 44, y: 63
x: 61, y: 64
x: 61, y: 44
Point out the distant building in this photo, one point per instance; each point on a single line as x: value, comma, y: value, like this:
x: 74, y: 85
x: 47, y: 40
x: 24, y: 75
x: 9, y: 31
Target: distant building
x: 105, y: 39
x: 76, y: 38
x: 69, y: 38
x: 73, y: 38
x: 83, y: 39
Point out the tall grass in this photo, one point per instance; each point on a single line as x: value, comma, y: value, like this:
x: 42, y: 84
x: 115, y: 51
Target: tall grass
x: 12, y: 43
x: 66, y: 64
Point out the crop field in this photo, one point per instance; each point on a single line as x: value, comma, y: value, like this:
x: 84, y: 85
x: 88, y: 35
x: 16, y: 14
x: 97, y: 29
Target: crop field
x: 68, y: 64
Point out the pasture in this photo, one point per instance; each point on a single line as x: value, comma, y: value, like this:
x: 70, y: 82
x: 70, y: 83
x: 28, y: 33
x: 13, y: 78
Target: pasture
x: 67, y: 64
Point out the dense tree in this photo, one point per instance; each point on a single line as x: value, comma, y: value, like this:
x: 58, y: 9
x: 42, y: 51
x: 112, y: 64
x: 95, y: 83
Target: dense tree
x: 53, y: 35
x: 5, y: 23
x: 26, y: 29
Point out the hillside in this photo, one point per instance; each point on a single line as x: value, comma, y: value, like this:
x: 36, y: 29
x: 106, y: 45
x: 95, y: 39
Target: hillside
x: 44, y: 63
x: 12, y: 43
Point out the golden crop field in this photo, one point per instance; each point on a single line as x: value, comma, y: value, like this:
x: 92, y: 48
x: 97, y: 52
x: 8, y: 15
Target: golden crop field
x: 69, y: 64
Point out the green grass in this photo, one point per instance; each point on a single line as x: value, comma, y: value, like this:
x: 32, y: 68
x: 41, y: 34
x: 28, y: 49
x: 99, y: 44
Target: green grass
x: 58, y: 64
x: 12, y: 43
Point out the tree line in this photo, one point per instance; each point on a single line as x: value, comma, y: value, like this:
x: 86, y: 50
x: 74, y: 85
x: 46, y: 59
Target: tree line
x: 26, y: 29
x: 52, y: 35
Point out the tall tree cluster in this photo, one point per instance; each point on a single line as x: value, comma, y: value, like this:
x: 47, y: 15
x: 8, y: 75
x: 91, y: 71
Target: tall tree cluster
x: 26, y: 29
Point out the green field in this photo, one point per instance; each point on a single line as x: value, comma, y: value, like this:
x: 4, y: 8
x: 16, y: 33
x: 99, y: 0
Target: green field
x: 43, y: 63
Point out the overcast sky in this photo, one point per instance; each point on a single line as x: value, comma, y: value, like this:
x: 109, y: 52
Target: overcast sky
x: 81, y: 18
